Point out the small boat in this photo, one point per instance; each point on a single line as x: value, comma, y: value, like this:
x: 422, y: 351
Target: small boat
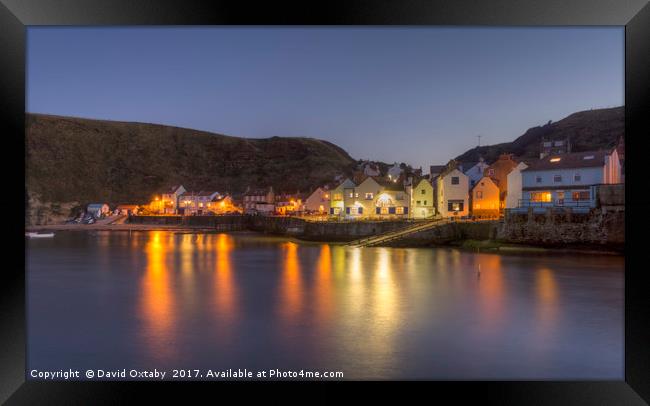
x: 39, y: 235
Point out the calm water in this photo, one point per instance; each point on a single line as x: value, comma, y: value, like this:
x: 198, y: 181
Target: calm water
x: 219, y: 301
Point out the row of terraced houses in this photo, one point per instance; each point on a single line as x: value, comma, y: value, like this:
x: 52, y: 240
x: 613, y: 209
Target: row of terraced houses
x: 558, y: 178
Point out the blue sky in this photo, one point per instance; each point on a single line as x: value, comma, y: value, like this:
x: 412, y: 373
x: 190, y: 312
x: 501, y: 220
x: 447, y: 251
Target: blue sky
x: 419, y: 95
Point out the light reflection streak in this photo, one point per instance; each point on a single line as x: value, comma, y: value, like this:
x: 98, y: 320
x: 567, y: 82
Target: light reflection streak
x: 158, y: 308
x: 291, y: 283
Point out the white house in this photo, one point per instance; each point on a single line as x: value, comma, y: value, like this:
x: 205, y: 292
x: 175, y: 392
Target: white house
x: 337, y: 197
x: 168, y: 203
x: 514, y: 194
x: 373, y: 198
x: 318, y: 201
x: 452, y: 193
x: 196, y: 203
x: 394, y: 172
x: 422, y: 200
x: 475, y: 171
x: 261, y: 197
x: 568, y: 180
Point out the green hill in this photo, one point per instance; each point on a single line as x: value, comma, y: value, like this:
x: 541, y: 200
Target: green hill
x: 587, y: 130
x: 82, y: 160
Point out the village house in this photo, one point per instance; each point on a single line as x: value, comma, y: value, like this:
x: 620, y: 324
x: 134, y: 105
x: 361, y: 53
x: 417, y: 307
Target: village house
x: 499, y: 171
x: 166, y: 202
x: 318, y: 201
x: 568, y: 180
x: 196, y: 203
x: 485, y: 198
x: 338, y: 197
x: 98, y: 210
x: 288, y: 204
x: 127, y: 209
x: 373, y: 198
x: 514, y: 194
x: 452, y: 192
x: 394, y: 172
x: 223, y: 205
x: 258, y: 200
x: 371, y: 169
x: 422, y: 200
x: 475, y: 171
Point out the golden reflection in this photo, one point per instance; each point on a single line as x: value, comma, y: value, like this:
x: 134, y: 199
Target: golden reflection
x: 291, y: 285
x: 186, y: 249
x: 491, y: 289
x: 323, y: 294
x: 547, y: 300
x: 225, y: 290
x: 157, y: 296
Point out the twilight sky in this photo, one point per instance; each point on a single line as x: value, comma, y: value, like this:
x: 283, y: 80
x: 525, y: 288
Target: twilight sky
x: 419, y: 95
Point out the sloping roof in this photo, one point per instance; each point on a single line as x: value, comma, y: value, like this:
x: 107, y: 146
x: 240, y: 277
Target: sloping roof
x: 170, y: 190
x: 588, y: 159
x: 389, y: 185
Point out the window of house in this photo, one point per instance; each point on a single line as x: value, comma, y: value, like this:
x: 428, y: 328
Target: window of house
x: 557, y: 178
x: 338, y: 196
x: 479, y: 194
x: 455, y: 205
x: 538, y: 179
x: 540, y: 196
x: 423, y: 192
x: 399, y: 210
x: 490, y: 172
x: 353, y: 210
x: 336, y: 210
x: 383, y: 210
x: 577, y: 177
x: 418, y: 202
x: 356, y: 195
x: 425, y: 202
x: 369, y: 196
x: 351, y: 194
x: 455, y: 180
x: 581, y: 195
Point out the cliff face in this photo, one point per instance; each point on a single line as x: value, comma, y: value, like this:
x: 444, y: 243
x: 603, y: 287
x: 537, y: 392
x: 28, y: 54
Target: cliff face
x: 587, y: 130
x: 81, y: 160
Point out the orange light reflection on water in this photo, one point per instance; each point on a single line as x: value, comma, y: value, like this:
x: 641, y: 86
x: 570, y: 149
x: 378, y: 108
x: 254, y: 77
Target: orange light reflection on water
x: 157, y: 297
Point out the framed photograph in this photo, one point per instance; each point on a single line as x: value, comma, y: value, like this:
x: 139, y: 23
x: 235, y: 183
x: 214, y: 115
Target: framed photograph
x: 415, y: 198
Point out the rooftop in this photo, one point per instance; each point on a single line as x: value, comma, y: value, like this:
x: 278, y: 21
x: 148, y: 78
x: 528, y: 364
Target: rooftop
x: 588, y: 159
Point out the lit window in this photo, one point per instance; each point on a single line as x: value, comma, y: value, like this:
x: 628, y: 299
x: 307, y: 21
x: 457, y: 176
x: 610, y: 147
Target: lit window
x: 555, y: 159
x: 581, y: 195
x: 369, y: 196
x: 540, y: 196
x: 479, y: 194
x: 588, y: 157
x: 399, y: 210
x: 338, y: 196
x: 383, y: 210
x: 557, y: 178
x: 354, y: 210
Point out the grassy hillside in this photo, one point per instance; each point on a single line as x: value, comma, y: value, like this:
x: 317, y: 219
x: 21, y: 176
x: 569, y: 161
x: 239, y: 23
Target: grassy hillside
x: 587, y: 130
x: 73, y: 159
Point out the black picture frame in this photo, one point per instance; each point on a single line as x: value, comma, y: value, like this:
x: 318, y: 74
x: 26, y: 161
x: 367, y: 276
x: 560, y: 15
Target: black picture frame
x: 15, y: 15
